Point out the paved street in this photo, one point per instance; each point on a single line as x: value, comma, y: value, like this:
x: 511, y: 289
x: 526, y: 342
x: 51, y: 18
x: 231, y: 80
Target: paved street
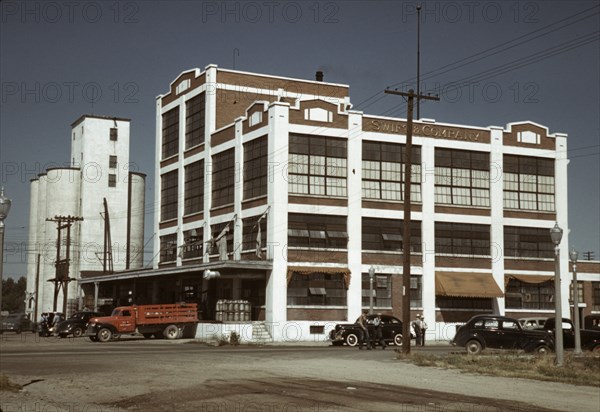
x: 137, y: 374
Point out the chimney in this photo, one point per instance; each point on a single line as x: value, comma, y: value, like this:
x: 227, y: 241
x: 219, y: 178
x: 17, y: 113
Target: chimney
x: 319, y: 76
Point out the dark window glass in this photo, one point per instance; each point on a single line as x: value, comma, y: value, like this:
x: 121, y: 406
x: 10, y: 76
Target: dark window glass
x: 462, y: 177
x: 250, y: 237
x: 225, y: 229
x: 194, y: 121
x: 317, y: 231
x: 317, y: 289
x: 528, y: 183
x: 168, y: 196
x: 168, y: 248
x: 462, y: 239
x: 194, y: 187
x: 382, y: 291
x: 386, y: 234
x: 112, y: 180
x: 170, y: 133
x: 449, y: 302
x: 193, y: 246
x: 255, y: 167
x: 223, y: 178
x: 114, y: 133
x: 527, y: 242
x: 596, y: 296
x: 523, y: 295
x: 112, y: 162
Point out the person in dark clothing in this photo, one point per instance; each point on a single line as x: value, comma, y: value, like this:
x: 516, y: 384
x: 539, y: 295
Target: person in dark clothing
x: 364, y: 331
x: 418, y: 331
x: 378, y: 332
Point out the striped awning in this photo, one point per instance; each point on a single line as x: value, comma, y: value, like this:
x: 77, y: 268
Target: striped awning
x: 309, y: 270
x: 467, y: 285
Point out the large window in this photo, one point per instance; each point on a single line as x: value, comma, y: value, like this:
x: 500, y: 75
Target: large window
x: 523, y: 295
x: 170, y: 133
x: 450, y: 302
x: 527, y: 242
x: 386, y: 234
x: 255, y: 167
x: 193, y: 246
x: 226, y: 229
x: 462, y: 177
x: 168, y: 248
x: 383, y: 171
x: 194, y: 187
x: 250, y: 236
x: 382, y: 291
x: 317, y: 165
x: 596, y: 296
x: 168, y: 196
x: 223, y: 178
x: 317, y: 231
x: 528, y: 183
x: 317, y: 289
x: 194, y: 121
x: 462, y: 239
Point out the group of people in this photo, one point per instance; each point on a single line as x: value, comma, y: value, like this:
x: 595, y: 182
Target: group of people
x: 369, y: 339
x: 48, y: 323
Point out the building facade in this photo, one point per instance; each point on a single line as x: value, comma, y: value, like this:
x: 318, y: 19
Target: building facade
x: 273, y: 191
x: 85, y: 219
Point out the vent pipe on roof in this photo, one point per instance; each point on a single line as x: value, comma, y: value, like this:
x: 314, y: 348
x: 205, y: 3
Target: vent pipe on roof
x: 319, y: 76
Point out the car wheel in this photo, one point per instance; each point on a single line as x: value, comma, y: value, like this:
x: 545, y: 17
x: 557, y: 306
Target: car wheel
x: 542, y: 350
x: 77, y: 332
x: 596, y: 349
x: 352, y: 339
x: 171, y: 332
x: 473, y: 347
x: 398, y: 339
x: 104, y: 335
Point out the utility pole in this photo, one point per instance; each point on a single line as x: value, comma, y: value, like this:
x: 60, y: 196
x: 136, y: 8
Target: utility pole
x: 418, y: 61
x: 589, y: 255
x: 62, y: 279
x: 407, y: 220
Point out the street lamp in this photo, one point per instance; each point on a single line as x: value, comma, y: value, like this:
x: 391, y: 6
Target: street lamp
x: 4, y: 209
x: 556, y: 235
x: 574, y: 255
x: 371, y: 276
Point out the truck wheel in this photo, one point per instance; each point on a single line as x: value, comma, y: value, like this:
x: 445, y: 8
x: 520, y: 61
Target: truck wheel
x: 171, y: 332
x: 352, y: 339
x: 473, y: 347
x: 77, y: 332
x: 104, y: 335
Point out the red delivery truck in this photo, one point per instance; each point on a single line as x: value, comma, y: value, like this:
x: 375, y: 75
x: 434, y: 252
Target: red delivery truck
x: 167, y: 321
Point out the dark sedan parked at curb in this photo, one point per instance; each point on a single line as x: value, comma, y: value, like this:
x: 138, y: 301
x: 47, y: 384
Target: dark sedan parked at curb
x: 76, y: 324
x: 500, y: 332
x: 349, y: 333
x: 16, y: 322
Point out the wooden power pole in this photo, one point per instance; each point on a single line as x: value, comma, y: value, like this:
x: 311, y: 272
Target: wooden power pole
x: 407, y: 210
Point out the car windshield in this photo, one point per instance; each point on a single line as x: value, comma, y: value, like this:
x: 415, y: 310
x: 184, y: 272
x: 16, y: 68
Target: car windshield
x: 78, y: 315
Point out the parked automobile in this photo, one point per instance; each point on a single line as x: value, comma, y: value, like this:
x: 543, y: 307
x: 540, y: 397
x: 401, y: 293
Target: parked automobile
x: 501, y: 332
x: 47, y: 327
x: 16, y: 322
x: 349, y: 333
x: 590, y: 338
x: 532, y: 323
x: 75, y: 325
x: 592, y: 322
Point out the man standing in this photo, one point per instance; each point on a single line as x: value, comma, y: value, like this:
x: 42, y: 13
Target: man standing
x: 423, y: 330
x: 417, y: 325
x: 378, y: 332
x: 364, y: 331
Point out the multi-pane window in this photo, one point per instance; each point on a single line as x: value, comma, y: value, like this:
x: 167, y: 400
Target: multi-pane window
x: 112, y: 180
x: 386, y: 234
x: 416, y: 294
x: 194, y: 187
x: 579, y: 292
x: 317, y: 165
x: 596, y: 296
x: 523, y: 295
x: 170, y: 132
x: 193, y: 245
x: 255, y: 167
x: 168, y: 195
x: 168, y: 248
x: 382, y: 291
x: 462, y: 177
x: 112, y: 162
x: 223, y: 178
x: 383, y: 171
x: 528, y: 183
x: 530, y: 242
x: 317, y: 231
x: 114, y: 133
x: 250, y: 237
x: 462, y: 239
x: 317, y: 289
x: 194, y: 121
x: 218, y: 232
x: 451, y: 302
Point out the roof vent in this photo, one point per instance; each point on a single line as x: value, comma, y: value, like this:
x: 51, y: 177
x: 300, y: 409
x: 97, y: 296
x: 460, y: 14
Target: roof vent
x: 319, y: 76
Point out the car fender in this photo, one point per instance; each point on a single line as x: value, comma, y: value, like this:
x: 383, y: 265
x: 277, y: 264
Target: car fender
x: 109, y: 326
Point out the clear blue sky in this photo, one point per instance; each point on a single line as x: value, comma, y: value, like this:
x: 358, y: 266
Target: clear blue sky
x: 520, y: 60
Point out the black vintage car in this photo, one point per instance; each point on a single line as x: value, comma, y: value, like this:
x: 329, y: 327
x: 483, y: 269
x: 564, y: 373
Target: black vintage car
x: 76, y: 324
x: 16, y: 322
x: 349, y: 333
x: 500, y: 332
x: 589, y: 338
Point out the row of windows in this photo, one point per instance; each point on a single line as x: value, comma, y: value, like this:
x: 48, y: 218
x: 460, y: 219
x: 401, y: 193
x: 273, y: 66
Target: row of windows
x: 194, y: 126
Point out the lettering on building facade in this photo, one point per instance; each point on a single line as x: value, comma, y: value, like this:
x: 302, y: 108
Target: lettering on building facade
x: 427, y: 130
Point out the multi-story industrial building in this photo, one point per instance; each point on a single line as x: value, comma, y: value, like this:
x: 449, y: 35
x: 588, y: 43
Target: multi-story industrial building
x: 93, y: 210
x: 273, y: 190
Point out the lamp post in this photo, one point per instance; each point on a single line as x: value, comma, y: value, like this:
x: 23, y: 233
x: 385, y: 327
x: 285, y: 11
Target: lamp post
x: 577, y: 351
x: 371, y: 276
x: 4, y: 209
x: 556, y: 235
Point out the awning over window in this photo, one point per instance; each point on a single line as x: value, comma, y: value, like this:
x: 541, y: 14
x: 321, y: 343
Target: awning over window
x: 468, y: 285
x: 308, y: 270
x: 528, y: 278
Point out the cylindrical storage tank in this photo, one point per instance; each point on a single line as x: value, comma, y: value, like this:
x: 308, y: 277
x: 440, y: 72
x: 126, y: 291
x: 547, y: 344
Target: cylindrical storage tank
x: 62, y: 200
x: 46, y: 244
x: 219, y: 316
x: 136, y: 216
x: 32, y: 250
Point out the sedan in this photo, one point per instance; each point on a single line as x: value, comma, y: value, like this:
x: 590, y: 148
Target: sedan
x: 76, y: 324
x: 349, y: 333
